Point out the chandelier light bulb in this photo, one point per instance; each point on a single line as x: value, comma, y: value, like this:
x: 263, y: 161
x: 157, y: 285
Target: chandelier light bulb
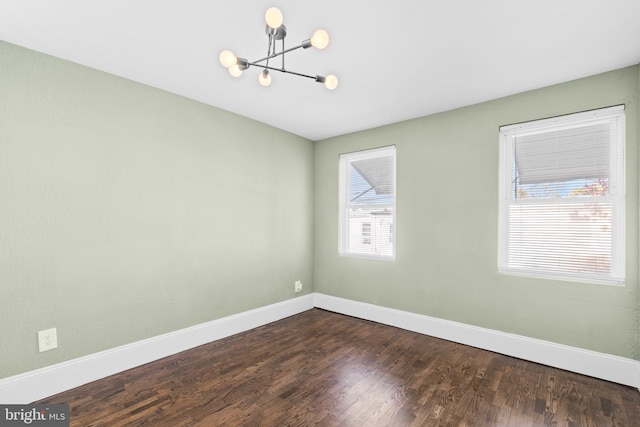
x: 265, y: 78
x: 320, y: 39
x: 228, y: 58
x: 273, y: 17
x: 235, y: 70
x: 331, y: 82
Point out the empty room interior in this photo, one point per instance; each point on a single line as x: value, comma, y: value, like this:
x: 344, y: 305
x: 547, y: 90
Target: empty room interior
x: 427, y: 215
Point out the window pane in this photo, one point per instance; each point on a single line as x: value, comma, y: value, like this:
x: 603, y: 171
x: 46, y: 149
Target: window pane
x: 566, y: 237
x: 566, y: 153
x: 566, y: 189
x: 370, y: 231
x: 371, y: 181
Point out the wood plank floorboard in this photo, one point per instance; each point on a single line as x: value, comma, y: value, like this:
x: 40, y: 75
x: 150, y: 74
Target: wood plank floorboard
x: 325, y: 369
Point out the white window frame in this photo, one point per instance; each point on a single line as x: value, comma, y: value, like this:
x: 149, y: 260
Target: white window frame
x: 614, y: 116
x: 345, y: 204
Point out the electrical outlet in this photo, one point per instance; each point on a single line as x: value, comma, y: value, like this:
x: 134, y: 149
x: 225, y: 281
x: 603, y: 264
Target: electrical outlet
x: 47, y: 340
x: 298, y: 286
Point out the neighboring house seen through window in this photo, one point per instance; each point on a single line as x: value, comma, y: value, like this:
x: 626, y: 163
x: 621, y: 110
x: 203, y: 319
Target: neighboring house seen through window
x: 562, y: 197
x: 367, y: 203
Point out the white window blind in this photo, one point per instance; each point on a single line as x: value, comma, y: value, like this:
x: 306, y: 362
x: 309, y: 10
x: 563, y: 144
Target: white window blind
x: 562, y: 197
x: 367, y: 203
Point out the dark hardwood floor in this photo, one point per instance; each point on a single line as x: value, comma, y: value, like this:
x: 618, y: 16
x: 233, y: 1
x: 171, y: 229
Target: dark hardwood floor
x: 322, y: 368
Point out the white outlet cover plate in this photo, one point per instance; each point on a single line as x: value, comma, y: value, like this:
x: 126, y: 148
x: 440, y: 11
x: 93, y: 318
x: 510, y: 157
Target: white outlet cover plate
x: 47, y: 339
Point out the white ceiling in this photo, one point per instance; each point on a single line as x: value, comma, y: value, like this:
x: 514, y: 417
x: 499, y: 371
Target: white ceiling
x: 396, y: 60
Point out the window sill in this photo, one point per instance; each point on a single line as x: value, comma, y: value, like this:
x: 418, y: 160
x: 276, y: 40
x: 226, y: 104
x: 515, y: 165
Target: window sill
x: 575, y: 279
x: 370, y: 257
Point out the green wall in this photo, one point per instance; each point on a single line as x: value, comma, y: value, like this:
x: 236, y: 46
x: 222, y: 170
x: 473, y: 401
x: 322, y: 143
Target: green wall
x: 128, y: 212
x: 447, y: 224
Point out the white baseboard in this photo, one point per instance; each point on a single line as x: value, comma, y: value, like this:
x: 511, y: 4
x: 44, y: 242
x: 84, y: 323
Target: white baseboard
x: 34, y: 385
x: 38, y: 384
x: 599, y: 365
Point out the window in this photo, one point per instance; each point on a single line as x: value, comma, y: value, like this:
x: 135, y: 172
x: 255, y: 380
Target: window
x: 562, y: 197
x: 366, y: 233
x: 367, y: 203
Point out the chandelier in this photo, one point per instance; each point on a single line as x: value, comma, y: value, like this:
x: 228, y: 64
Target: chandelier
x: 275, y: 31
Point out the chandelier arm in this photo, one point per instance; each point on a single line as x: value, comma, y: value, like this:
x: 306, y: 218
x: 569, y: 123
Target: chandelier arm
x: 274, y: 55
x: 284, y: 71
